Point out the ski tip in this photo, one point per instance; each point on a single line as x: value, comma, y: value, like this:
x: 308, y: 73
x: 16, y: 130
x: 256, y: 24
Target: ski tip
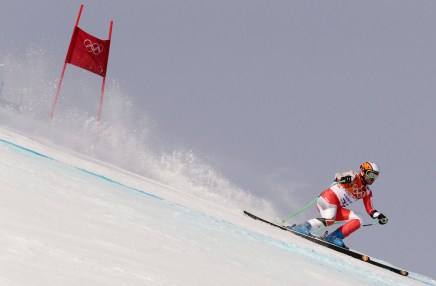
x: 404, y: 272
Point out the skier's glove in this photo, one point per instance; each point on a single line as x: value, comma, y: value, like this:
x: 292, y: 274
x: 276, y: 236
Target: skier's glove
x: 345, y: 179
x: 382, y: 219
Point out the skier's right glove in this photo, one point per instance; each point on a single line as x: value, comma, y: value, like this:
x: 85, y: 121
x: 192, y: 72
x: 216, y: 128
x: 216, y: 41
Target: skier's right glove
x: 382, y: 219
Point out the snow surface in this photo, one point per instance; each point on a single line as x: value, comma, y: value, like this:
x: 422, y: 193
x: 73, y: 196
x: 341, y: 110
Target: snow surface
x: 70, y: 220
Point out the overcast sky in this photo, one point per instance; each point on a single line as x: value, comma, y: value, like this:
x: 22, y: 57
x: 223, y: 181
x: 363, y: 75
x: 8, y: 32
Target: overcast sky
x: 277, y: 93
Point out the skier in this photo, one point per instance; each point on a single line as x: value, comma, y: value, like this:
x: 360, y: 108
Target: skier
x: 347, y: 188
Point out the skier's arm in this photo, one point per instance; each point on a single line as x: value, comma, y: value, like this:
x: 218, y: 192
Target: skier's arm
x: 382, y: 219
x: 368, y: 204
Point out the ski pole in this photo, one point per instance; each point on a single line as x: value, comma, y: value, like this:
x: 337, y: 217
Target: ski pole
x: 306, y: 207
x: 340, y: 222
x: 371, y: 224
x: 300, y: 211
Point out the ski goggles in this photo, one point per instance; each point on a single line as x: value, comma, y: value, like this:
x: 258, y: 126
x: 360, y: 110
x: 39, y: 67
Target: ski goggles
x: 371, y: 174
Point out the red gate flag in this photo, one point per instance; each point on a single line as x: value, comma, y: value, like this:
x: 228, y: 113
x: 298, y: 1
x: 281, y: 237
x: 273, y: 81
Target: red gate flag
x: 88, y: 52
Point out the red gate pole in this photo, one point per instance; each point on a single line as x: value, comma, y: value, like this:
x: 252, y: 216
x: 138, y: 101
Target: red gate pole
x: 104, y: 79
x: 57, y: 92
x: 63, y: 69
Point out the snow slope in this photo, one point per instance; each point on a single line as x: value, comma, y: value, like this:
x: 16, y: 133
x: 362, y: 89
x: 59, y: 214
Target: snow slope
x: 70, y: 220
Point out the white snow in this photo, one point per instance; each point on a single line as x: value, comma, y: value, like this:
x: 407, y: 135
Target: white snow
x: 70, y: 220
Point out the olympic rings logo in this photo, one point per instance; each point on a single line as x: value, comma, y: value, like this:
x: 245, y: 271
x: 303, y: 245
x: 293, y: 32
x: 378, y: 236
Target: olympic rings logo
x: 94, y: 48
x: 357, y: 192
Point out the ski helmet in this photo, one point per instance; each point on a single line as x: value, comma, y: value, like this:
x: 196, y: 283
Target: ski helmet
x: 369, y: 170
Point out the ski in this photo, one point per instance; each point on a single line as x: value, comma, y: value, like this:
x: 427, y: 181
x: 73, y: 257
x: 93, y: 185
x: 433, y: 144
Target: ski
x: 314, y: 239
x: 322, y: 242
x: 390, y: 268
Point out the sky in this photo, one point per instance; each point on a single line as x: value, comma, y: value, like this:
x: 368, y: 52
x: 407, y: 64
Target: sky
x: 275, y: 97
x: 112, y: 227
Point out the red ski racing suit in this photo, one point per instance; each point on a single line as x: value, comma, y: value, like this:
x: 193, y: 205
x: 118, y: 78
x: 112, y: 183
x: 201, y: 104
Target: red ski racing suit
x: 333, y: 202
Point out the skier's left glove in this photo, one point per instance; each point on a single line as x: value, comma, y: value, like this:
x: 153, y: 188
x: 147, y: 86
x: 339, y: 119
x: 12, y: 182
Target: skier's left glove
x: 345, y: 179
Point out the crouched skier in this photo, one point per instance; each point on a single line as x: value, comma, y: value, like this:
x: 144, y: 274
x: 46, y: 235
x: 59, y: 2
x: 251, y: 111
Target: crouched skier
x: 347, y: 188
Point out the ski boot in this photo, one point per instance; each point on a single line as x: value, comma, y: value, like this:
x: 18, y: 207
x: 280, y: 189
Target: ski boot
x: 303, y: 228
x: 336, y: 238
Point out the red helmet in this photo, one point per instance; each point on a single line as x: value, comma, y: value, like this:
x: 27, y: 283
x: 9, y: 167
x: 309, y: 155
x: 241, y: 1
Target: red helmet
x: 369, y: 170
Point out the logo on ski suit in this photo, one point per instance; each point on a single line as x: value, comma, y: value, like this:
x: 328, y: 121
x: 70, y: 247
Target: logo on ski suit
x: 357, y: 191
